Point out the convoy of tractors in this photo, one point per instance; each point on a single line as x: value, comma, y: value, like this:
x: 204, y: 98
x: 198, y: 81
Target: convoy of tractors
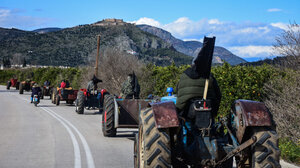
x: 169, y: 137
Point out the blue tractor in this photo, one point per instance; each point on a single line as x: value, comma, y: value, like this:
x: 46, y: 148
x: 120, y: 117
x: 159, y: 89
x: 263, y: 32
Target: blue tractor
x: 167, y: 139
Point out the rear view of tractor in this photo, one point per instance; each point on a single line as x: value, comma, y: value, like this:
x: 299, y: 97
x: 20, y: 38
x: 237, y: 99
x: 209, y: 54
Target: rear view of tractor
x: 63, y: 94
x: 195, y: 137
x: 13, y: 82
x: 46, y: 91
x: 25, y: 85
x: 89, y: 100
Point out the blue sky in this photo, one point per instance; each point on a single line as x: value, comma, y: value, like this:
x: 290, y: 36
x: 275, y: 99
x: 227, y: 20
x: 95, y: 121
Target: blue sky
x: 247, y: 28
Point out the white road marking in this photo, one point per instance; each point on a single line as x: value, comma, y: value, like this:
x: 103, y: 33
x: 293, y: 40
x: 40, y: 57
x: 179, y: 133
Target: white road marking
x: 77, y: 162
x: 88, y: 153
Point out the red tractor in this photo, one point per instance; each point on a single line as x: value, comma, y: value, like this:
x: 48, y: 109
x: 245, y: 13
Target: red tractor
x: 89, y: 100
x: 25, y: 85
x: 13, y: 82
x: 63, y: 94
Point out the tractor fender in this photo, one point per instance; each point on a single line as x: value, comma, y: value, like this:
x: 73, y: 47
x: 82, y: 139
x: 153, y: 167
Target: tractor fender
x: 248, y: 113
x: 165, y: 114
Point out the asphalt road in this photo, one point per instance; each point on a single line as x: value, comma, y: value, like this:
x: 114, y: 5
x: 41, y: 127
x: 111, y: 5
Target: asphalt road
x: 56, y: 136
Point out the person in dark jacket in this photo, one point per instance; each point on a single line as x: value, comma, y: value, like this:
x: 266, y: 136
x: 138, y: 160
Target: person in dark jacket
x: 36, y: 90
x: 192, y: 81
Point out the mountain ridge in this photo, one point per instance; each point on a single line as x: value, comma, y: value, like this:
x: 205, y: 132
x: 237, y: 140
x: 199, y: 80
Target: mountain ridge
x: 192, y: 48
x: 76, y: 46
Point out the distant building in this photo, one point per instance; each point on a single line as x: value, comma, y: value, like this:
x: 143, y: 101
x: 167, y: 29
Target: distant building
x: 110, y: 22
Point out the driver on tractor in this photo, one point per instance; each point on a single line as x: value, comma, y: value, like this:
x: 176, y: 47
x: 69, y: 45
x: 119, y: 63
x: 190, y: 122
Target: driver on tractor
x: 91, y: 87
x: 36, y: 90
x: 130, y: 88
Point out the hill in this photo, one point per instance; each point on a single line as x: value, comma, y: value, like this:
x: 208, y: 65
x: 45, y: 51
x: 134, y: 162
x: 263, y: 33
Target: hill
x: 192, y: 48
x: 47, y: 30
x: 77, y: 45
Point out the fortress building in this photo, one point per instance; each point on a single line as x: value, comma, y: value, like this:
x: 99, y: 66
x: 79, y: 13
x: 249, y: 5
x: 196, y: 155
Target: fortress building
x: 109, y: 22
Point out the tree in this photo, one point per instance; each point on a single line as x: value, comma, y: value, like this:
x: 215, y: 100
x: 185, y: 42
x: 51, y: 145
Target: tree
x: 24, y: 62
x: 288, y: 44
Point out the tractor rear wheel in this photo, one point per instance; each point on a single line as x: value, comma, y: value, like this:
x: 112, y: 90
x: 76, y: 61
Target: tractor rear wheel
x: 80, y: 102
x: 8, y: 85
x: 43, y: 93
x: 265, y: 151
x: 108, y: 117
x: 21, y: 90
x: 153, y: 147
x: 54, y: 91
x: 57, y: 100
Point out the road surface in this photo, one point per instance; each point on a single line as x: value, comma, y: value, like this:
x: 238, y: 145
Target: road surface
x: 56, y: 136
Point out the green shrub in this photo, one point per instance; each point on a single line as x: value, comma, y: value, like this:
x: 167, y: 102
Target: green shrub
x: 290, y: 151
x: 53, y: 74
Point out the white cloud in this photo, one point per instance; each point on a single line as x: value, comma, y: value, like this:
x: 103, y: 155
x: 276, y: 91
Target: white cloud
x: 147, y: 21
x: 252, y: 51
x: 280, y: 25
x: 13, y: 18
x: 228, y: 33
x: 274, y: 10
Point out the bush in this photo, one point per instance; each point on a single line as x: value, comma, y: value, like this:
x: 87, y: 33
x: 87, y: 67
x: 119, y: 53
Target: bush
x: 53, y: 74
x: 290, y: 151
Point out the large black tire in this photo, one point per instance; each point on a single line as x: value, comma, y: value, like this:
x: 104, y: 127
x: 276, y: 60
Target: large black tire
x: 17, y: 85
x: 153, y: 145
x: 8, y: 85
x: 80, y: 102
x: 54, y: 91
x: 21, y: 90
x: 108, y: 120
x: 43, y: 93
x: 265, y: 152
x: 57, y: 100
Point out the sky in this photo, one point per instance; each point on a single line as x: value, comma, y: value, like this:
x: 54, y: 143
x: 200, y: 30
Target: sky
x: 247, y: 28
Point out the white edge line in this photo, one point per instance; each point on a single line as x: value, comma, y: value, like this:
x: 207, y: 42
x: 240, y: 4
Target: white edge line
x: 89, y: 157
x: 77, y: 162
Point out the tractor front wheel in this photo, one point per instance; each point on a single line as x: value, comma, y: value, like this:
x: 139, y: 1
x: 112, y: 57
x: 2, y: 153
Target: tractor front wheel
x: 8, y: 85
x: 80, y: 102
x: 108, y: 120
x: 153, y: 147
x: 57, y: 99
x: 21, y: 90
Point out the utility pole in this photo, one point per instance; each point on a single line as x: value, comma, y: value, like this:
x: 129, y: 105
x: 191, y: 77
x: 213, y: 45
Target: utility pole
x: 97, y: 57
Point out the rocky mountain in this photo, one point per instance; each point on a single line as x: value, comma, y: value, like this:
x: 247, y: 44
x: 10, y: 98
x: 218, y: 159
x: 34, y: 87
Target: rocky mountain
x: 192, y: 48
x: 47, y: 30
x: 77, y: 45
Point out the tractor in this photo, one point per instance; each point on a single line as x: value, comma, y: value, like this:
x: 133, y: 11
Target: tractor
x: 89, y: 100
x: 197, y: 137
x: 46, y: 91
x: 25, y: 85
x: 63, y: 94
x: 120, y: 113
x: 13, y: 82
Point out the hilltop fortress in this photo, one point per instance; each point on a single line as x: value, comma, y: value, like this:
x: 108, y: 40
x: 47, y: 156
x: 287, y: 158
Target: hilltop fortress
x: 110, y: 22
